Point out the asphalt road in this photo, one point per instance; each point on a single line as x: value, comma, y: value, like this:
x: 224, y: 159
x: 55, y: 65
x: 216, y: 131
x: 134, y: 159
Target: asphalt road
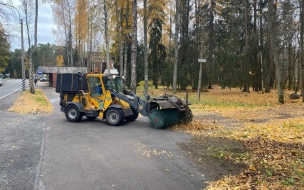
x: 10, y: 86
x: 21, y: 138
x: 39, y: 152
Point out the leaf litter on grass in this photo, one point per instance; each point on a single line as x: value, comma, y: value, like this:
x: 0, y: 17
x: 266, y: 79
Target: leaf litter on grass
x: 36, y: 103
x: 272, y: 135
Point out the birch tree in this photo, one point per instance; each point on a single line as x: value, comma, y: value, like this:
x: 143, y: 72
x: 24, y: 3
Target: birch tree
x: 273, y: 48
x: 118, y: 12
x: 146, y: 69
x: 176, y: 46
x: 106, y: 35
x: 134, y: 47
x: 31, y: 8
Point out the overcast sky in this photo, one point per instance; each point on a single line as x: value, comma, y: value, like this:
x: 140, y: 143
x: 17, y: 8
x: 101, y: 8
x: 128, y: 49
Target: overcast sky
x: 45, y: 27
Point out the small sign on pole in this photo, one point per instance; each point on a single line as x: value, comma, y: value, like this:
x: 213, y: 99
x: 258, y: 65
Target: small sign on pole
x: 39, y: 72
x: 202, y: 60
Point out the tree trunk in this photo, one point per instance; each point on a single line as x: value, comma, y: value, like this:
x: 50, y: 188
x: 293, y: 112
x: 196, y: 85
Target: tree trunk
x: 301, y: 49
x: 298, y: 85
x: 145, y: 49
x: 70, y: 40
x: 121, y: 47
x: 246, y: 78
x: 261, y: 49
x: 118, y: 30
x: 134, y: 47
x: 89, y: 62
x: 268, y: 68
x: 126, y: 43
x: 176, y: 47
x: 210, y: 60
x: 33, y: 48
x: 126, y: 58
x: 257, y: 80
x: 273, y: 49
x: 106, y: 36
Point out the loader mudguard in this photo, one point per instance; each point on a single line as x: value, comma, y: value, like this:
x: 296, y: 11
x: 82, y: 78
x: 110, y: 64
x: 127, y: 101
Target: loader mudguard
x: 114, y: 106
x: 135, y: 104
x: 127, y: 112
x: 78, y: 104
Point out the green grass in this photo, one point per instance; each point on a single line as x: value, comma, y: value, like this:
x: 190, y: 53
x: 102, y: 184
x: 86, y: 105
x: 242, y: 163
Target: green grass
x: 294, y: 126
x: 192, y: 96
x: 39, y: 98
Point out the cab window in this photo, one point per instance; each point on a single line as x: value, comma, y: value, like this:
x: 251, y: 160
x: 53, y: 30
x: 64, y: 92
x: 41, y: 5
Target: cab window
x: 95, y: 86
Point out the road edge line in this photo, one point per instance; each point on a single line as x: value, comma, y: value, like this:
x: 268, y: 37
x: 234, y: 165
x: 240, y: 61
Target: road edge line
x: 10, y: 93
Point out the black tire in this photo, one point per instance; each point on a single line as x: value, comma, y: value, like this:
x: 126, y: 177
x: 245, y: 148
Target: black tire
x: 114, y: 116
x: 72, y: 113
x: 91, y: 118
x: 80, y: 116
x: 132, y: 117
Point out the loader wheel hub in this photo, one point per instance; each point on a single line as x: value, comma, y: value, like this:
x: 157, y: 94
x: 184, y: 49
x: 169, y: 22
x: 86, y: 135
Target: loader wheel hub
x: 72, y: 113
x: 113, y: 117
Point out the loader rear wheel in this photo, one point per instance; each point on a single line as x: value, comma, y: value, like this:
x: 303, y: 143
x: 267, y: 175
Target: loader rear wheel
x: 114, y: 116
x: 73, y: 114
x: 132, y: 117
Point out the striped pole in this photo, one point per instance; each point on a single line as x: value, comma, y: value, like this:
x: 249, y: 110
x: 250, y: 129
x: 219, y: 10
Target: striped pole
x: 23, y: 84
x: 22, y: 56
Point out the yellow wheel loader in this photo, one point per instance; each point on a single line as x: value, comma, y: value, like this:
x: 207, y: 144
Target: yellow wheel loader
x: 104, y: 96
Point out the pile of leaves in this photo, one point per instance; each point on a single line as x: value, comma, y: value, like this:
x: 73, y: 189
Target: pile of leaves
x: 32, y: 103
x: 272, y: 134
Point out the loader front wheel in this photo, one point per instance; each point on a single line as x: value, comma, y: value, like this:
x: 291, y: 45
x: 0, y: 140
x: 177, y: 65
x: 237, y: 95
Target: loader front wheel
x: 114, y: 116
x: 73, y: 114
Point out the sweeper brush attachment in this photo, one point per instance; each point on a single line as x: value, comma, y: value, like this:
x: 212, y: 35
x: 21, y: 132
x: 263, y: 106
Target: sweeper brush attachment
x: 161, y: 119
x: 169, y: 110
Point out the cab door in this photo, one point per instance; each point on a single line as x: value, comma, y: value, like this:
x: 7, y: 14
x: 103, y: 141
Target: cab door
x: 96, y: 89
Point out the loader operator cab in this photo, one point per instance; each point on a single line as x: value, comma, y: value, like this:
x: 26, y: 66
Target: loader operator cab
x: 114, y: 83
x: 95, y: 86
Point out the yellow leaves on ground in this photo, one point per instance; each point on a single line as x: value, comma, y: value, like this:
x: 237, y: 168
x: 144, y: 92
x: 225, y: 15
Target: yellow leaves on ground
x: 147, y: 151
x: 234, y: 101
x: 195, y: 127
x: 32, y: 103
x: 273, y: 135
x: 271, y: 165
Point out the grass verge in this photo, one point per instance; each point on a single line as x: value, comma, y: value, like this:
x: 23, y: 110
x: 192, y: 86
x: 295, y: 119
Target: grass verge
x: 32, y: 103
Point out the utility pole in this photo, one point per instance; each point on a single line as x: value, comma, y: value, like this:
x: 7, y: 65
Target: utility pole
x: 22, y: 46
